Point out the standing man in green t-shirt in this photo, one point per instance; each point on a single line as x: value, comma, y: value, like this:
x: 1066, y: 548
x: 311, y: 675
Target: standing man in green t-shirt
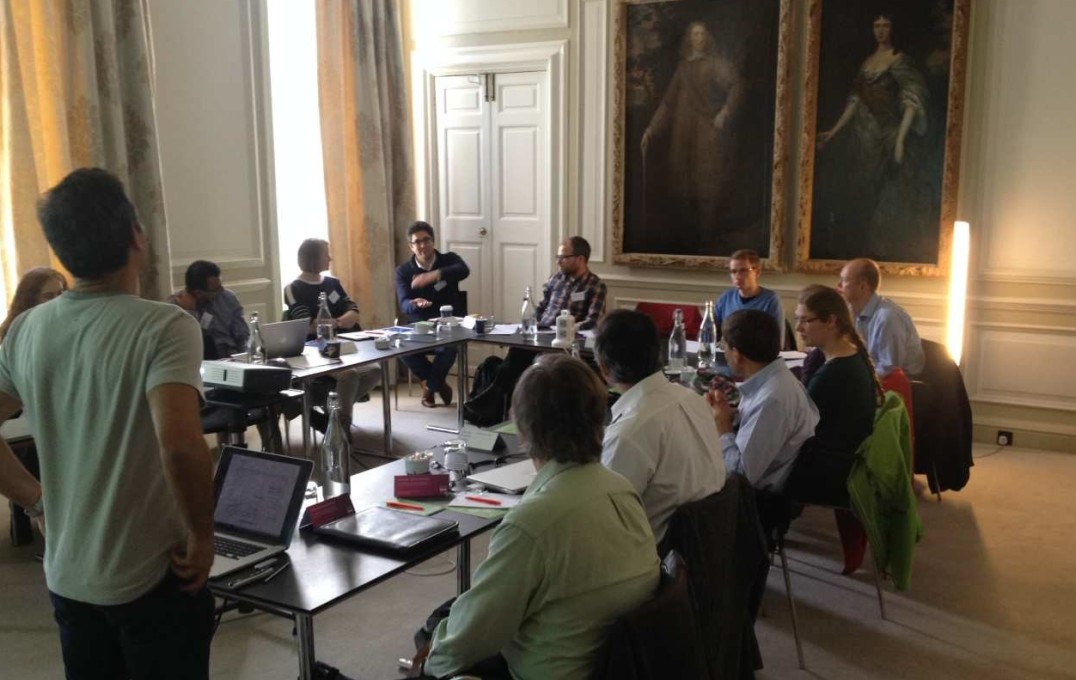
x: 110, y: 385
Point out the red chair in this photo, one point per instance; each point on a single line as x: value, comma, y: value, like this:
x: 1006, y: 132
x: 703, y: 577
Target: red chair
x: 662, y: 314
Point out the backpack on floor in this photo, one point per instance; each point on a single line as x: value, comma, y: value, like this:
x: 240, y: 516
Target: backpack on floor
x: 487, y: 404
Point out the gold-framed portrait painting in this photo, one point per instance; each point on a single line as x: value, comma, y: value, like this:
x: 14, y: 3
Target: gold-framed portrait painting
x: 883, y: 108
x: 701, y: 130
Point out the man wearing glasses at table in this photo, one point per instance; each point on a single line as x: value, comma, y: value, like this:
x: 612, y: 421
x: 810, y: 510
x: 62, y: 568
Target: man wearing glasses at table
x: 424, y: 283
x: 574, y: 287
x: 746, y: 293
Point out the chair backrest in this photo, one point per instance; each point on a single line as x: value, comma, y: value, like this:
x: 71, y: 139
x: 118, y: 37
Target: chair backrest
x: 658, y: 640
x: 721, y: 538
x: 662, y: 314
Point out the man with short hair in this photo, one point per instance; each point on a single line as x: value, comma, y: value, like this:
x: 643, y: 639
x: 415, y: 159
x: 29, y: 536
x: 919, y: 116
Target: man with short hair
x: 887, y: 329
x: 745, y: 267
x: 216, y: 309
x: 662, y: 437
x: 424, y: 283
x: 573, y: 287
x: 111, y: 386
x: 762, y: 436
x: 571, y: 558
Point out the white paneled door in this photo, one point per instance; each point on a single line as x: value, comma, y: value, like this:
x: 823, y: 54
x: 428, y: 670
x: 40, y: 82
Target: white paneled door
x: 492, y: 192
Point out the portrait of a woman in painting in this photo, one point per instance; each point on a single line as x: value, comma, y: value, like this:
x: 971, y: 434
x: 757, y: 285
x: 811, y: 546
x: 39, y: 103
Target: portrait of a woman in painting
x: 877, y: 174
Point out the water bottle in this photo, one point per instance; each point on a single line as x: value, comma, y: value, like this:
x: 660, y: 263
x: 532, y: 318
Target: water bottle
x: 255, y: 344
x: 528, y: 325
x: 565, y: 330
x: 677, y: 343
x: 707, y: 336
x: 335, y: 453
x: 325, y: 326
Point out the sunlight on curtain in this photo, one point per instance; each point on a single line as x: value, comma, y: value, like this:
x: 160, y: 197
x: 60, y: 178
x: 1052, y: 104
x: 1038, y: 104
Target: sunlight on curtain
x: 300, y: 177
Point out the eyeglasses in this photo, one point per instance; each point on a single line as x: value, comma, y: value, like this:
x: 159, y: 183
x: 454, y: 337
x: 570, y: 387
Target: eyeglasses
x: 561, y: 258
x: 421, y: 241
x: 805, y: 320
x: 741, y: 271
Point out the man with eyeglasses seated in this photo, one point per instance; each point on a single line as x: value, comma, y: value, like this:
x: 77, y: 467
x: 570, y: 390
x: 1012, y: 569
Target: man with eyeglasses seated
x: 745, y: 267
x: 424, y: 283
x: 573, y: 287
x: 761, y: 437
x: 216, y: 309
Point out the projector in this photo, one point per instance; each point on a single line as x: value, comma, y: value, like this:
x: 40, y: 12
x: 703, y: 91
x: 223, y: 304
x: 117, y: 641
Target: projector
x: 250, y: 378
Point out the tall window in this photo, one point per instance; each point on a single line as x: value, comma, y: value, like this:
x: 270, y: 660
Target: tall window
x: 300, y: 178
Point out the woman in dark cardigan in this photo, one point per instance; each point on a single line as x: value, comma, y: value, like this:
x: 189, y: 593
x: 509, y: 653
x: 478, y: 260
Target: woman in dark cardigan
x: 846, y: 391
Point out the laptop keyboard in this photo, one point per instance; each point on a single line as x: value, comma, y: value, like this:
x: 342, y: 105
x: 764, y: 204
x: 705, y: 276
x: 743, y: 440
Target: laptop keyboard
x: 233, y: 549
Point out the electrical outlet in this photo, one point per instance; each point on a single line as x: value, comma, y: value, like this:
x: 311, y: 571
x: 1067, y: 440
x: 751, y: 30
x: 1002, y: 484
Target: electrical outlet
x: 1004, y: 438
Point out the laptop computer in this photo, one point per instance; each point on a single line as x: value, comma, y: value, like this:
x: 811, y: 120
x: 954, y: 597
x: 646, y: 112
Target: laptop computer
x: 285, y: 338
x: 257, y: 499
x: 514, y: 478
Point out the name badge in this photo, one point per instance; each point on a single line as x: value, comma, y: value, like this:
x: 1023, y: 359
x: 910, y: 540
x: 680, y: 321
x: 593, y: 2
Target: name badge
x: 440, y: 285
x: 334, y: 297
x: 579, y: 297
x: 206, y: 320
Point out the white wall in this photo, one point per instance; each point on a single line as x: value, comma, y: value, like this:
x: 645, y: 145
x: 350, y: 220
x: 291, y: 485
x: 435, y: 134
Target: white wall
x: 1019, y: 167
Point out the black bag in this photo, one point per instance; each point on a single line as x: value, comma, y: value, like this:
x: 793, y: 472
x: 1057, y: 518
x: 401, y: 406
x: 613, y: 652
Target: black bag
x: 487, y: 404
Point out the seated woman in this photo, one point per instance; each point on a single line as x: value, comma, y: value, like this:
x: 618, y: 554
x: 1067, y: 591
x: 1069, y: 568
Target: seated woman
x: 301, y: 296
x: 846, y: 391
x: 575, y: 554
x: 38, y: 285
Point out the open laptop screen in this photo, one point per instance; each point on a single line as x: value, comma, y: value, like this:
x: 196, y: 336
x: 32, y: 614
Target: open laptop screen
x: 259, y: 494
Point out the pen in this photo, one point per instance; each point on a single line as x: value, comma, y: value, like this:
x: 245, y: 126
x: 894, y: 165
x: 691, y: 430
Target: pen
x: 479, y: 499
x: 279, y: 569
x: 404, y: 506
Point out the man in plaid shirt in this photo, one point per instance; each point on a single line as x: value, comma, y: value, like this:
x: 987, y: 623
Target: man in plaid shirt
x: 574, y: 287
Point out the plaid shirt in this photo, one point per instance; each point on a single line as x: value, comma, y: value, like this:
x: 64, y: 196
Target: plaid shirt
x: 584, y: 298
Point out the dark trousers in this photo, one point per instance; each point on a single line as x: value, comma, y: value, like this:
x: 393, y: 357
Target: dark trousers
x: 433, y: 372
x: 163, y: 635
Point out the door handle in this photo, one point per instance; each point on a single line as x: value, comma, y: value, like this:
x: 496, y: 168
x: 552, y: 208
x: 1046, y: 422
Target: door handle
x: 482, y: 232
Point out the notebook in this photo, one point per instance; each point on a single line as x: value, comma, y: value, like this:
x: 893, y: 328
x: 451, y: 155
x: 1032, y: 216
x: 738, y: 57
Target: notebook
x: 514, y: 478
x: 257, y: 499
x: 285, y: 339
x: 391, y: 530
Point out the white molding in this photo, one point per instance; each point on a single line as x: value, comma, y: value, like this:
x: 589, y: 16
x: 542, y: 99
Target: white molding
x: 594, y: 100
x: 249, y: 285
x: 551, y: 57
x: 489, y: 16
x: 983, y: 368
x: 1022, y: 424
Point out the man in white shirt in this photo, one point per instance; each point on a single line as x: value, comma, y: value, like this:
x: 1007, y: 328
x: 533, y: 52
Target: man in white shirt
x: 761, y: 438
x: 662, y: 436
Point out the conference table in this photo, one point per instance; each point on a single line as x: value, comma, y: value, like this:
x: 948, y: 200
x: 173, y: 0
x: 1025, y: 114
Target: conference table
x: 325, y: 573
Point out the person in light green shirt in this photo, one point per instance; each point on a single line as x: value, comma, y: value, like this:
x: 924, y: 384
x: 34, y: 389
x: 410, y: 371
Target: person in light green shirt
x: 572, y: 557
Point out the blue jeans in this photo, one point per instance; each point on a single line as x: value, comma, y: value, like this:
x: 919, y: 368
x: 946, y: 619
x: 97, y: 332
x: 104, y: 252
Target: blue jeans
x: 164, y: 634
x: 433, y: 372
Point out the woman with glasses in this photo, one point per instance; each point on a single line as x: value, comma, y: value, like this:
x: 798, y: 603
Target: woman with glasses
x: 846, y: 391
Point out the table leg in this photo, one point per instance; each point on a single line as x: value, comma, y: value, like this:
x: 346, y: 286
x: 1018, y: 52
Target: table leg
x: 463, y: 567
x: 386, y: 406
x: 461, y: 383
x: 304, y: 632
x: 307, y: 405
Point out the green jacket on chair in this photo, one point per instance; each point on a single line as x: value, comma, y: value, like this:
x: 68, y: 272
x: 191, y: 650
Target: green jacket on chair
x: 880, y: 489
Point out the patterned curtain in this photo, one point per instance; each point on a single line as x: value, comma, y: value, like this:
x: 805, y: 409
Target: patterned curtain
x: 366, y: 143
x: 75, y: 91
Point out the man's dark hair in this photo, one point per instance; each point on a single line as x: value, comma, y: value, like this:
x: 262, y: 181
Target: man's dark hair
x: 559, y: 405
x: 419, y: 226
x: 580, y: 247
x: 754, y: 334
x: 198, y: 274
x: 89, y: 222
x: 626, y: 341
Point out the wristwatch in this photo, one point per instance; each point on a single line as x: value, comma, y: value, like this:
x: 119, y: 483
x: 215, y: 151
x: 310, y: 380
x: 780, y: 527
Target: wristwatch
x: 37, y: 510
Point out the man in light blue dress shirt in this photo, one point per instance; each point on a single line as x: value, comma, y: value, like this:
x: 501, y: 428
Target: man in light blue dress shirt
x: 887, y: 330
x: 761, y: 438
